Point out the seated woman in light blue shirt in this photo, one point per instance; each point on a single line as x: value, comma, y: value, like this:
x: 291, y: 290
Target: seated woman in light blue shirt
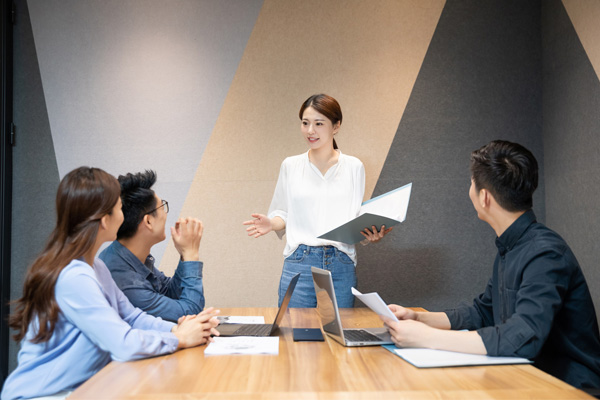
x: 72, y: 319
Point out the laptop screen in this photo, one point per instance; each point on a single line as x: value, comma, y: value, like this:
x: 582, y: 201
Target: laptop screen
x: 285, y: 302
x: 326, y: 303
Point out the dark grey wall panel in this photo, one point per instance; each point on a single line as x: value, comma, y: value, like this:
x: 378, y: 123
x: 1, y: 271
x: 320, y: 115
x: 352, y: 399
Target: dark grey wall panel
x: 480, y: 80
x: 571, y: 141
x: 35, y: 173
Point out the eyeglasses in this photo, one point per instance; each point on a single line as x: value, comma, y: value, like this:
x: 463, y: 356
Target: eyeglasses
x: 164, y: 204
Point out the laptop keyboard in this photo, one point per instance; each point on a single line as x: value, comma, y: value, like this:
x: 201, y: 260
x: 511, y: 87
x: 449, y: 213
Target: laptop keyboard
x: 354, y: 335
x: 254, y: 330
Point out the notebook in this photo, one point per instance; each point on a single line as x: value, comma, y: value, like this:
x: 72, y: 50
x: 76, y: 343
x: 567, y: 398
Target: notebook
x: 261, y: 329
x: 330, y: 316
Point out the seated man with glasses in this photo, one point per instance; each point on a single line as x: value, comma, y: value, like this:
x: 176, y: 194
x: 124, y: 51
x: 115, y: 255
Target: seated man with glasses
x: 132, y: 266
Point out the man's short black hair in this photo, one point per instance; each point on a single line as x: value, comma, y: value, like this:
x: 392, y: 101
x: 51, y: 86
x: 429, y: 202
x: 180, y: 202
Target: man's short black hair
x: 508, y: 171
x: 138, y: 199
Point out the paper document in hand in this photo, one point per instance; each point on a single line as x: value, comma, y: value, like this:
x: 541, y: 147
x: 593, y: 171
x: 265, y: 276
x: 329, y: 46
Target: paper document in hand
x: 375, y: 303
x: 388, y: 209
x: 429, y: 358
x: 243, y: 345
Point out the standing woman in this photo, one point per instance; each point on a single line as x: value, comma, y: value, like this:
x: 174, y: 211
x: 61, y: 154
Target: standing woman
x: 316, y: 192
x: 72, y: 319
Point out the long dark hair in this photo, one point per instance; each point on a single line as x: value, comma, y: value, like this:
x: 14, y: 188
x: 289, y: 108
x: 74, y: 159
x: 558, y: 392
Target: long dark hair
x: 84, y: 196
x: 326, y: 105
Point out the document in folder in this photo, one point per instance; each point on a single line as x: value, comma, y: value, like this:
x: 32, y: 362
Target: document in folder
x: 429, y: 358
x: 388, y: 209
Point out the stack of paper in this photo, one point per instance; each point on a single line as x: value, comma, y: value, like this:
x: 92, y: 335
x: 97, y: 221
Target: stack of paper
x: 243, y: 345
x: 240, y: 319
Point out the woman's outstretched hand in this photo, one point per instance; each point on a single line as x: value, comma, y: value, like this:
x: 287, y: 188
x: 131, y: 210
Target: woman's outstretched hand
x: 260, y: 225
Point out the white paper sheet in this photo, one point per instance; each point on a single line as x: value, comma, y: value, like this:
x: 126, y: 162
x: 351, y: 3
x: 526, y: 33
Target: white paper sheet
x: 375, y: 303
x: 241, y: 319
x: 243, y: 345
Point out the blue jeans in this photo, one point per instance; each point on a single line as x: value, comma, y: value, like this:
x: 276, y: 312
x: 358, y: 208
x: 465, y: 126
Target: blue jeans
x: 329, y: 258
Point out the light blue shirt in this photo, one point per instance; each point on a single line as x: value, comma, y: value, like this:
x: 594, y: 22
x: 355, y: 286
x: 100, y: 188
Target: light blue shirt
x: 97, y: 323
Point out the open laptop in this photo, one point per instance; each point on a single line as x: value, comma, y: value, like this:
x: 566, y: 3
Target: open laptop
x: 261, y: 329
x: 330, y: 316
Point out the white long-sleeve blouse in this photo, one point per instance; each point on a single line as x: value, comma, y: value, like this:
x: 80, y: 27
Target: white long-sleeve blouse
x: 311, y: 203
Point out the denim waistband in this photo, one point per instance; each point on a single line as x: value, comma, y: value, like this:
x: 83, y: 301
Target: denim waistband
x: 310, y: 249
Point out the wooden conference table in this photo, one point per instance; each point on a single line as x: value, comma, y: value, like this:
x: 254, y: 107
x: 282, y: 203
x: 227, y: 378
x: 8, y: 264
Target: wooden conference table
x: 314, y: 370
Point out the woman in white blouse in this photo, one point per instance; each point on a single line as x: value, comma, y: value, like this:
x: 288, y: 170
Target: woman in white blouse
x: 316, y: 192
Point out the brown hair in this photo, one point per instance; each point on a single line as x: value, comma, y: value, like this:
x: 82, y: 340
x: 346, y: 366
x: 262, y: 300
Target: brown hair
x: 326, y: 105
x: 84, y: 196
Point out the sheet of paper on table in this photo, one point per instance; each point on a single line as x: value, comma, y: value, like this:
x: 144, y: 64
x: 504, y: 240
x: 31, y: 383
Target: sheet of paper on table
x: 243, y: 345
x: 241, y: 319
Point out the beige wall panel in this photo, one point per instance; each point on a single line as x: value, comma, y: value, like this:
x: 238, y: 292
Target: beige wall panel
x: 585, y: 16
x: 367, y: 54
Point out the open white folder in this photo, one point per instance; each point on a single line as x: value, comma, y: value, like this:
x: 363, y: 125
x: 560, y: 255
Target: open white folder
x: 388, y: 209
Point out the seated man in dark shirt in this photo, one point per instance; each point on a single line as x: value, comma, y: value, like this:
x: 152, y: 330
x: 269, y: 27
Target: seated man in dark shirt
x: 132, y: 266
x: 537, y: 303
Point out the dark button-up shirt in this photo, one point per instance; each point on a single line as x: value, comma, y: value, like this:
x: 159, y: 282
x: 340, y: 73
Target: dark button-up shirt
x: 537, y: 305
x: 149, y: 289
